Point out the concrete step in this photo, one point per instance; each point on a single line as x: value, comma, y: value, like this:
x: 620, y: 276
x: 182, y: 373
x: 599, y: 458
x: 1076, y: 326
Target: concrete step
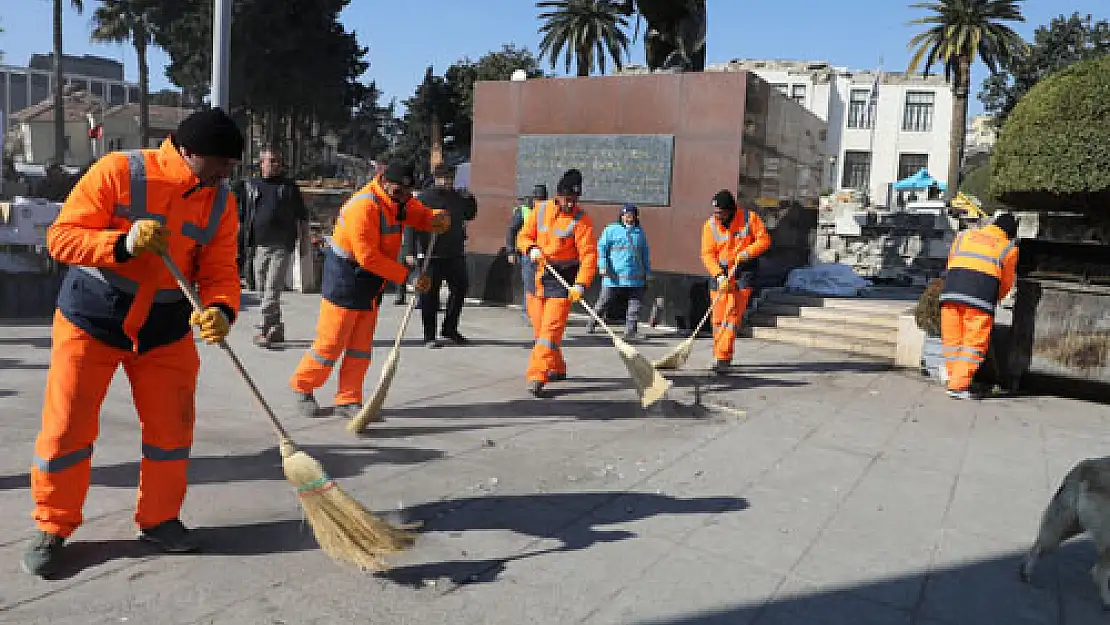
x: 885, y: 319
x: 837, y: 328
x: 862, y: 304
x: 880, y: 350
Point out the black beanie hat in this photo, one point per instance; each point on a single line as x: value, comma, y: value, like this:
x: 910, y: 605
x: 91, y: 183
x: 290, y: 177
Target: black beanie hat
x: 400, y: 173
x: 210, y: 132
x: 1007, y: 224
x: 724, y: 200
x: 570, y: 183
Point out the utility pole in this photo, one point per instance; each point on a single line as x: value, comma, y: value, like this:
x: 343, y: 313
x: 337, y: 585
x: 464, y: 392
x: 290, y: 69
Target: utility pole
x: 221, y: 54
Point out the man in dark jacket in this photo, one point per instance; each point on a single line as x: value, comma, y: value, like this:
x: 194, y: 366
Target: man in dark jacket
x: 274, y: 218
x: 448, y: 261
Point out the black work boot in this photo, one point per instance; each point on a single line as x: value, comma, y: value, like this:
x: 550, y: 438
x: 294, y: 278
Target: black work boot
x: 306, y: 405
x: 44, y: 555
x: 347, y: 411
x: 721, y: 367
x: 535, y: 387
x: 170, y: 536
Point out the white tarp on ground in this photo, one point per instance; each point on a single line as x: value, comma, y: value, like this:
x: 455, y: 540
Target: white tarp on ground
x: 832, y: 279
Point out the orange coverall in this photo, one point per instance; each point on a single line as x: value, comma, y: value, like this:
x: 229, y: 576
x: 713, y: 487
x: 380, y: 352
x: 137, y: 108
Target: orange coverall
x: 743, y: 240
x: 115, y: 310
x: 567, y: 242
x: 981, y: 269
x: 362, y: 257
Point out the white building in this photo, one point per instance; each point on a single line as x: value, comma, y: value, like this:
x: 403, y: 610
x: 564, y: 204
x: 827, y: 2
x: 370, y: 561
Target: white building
x: 869, y: 145
x: 981, y: 135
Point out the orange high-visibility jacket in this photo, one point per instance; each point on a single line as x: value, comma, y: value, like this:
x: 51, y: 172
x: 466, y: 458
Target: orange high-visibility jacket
x: 567, y: 243
x: 134, y: 302
x: 743, y: 240
x: 365, y: 245
x: 981, y: 268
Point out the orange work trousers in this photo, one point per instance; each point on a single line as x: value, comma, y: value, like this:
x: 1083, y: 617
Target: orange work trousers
x: 728, y: 311
x: 965, y: 333
x: 549, y: 322
x: 340, y: 332
x: 163, y: 386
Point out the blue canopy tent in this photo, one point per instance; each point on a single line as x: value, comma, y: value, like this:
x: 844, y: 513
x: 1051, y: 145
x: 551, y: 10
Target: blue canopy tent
x: 919, y: 182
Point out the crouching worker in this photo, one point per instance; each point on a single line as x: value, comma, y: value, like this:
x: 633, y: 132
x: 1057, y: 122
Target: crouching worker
x: 560, y: 235
x: 119, y: 305
x: 360, y: 261
x: 981, y: 269
x: 731, y: 239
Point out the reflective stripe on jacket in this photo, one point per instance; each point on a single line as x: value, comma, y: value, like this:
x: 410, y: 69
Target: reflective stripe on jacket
x: 362, y: 254
x: 981, y: 268
x: 134, y: 303
x: 623, y: 252
x: 567, y: 243
x: 745, y: 239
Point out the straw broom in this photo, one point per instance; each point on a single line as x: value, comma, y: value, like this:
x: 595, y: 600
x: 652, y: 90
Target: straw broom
x: 649, y: 384
x: 371, y: 410
x: 681, y: 353
x: 344, y: 529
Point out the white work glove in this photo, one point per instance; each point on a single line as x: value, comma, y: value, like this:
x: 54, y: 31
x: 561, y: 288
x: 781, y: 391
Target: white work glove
x: 147, y: 235
x: 535, y: 254
x: 722, y: 281
x: 576, y: 292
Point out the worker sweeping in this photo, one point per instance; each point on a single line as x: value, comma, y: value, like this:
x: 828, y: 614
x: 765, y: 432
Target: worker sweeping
x: 981, y: 268
x: 120, y: 306
x: 558, y: 234
x: 730, y: 237
x: 360, y: 260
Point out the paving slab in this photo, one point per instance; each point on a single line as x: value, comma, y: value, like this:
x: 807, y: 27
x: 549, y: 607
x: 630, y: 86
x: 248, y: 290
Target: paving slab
x: 804, y: 487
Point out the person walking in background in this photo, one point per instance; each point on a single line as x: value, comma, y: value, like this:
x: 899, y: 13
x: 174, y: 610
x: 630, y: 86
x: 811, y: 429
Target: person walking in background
x: 624, y: 262
x: 275, y: 223
x: 729, y: 238
x: 516, y: 222
x: 558, y: 234
x: 982, y: 266
x: 448, y: 260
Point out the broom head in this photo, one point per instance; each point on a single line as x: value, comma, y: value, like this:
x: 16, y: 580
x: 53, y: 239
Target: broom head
x: 345, y: 530
x: 650, y: 385
x: 678, y: 357
x: 372, y: 409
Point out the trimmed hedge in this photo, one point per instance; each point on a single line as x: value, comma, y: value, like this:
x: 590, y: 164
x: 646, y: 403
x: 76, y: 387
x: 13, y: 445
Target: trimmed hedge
x: 1053, y: 152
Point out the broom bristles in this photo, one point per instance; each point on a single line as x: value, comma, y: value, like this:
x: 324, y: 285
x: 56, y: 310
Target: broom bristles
x: 372, y: 411
x: 649, y: 383
x: 677, y: 358
x: 344, y: 529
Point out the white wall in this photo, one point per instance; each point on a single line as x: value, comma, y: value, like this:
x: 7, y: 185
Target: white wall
x: 38, y: 142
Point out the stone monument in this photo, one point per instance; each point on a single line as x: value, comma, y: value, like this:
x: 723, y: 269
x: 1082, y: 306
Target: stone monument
x: 675, y: 36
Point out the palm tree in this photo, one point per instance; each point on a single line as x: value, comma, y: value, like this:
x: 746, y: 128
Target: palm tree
x: 588, y: 29
x: 59, y: 82
x: 961, y: 31
x: 118, y: 21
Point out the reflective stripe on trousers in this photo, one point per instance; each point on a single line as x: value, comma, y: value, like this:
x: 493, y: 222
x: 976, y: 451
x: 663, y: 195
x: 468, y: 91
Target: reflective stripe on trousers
x: 340, y: 332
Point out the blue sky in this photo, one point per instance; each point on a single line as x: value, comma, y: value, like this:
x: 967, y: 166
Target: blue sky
x: 405, y: 37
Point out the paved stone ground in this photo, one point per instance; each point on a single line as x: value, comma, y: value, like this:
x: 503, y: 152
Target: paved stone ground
x: 821, y: 490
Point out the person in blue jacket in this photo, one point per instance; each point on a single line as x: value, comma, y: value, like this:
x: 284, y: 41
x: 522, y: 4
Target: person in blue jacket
x: 624, y: 262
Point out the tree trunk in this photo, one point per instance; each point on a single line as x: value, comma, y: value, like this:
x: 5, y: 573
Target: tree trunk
x: 59, y: 89
x: 959, y: 125
x: 583, y: 63
x: 140, y: 41
x: 435, y: 155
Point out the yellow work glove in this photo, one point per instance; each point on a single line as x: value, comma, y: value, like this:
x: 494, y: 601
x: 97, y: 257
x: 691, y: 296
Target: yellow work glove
x: 423, y: 284
x: 213, y: 325
x: 576, y: 292
x: 147, y: 235
x: 441, y: 222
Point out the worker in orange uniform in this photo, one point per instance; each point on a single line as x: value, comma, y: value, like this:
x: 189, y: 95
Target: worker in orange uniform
x: 360, y: 260
x: 729, y: 238
x: 980, y: 272
x: 119, y: 305
x: 560, y: 235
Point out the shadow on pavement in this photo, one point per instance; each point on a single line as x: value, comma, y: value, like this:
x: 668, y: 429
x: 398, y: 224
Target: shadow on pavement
x: 570, y: 518
x: 339, y: 461
x: 251, y: 539
x: 40, y: 342
x: 846, y: 366
x: 986, y: 592
x: 12, y: 363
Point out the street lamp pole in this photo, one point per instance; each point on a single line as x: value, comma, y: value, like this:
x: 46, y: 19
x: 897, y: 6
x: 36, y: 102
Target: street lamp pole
x: 221, y: 53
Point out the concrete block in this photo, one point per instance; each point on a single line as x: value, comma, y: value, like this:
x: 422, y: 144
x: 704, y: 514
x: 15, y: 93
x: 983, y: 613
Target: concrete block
x: 911, y: 342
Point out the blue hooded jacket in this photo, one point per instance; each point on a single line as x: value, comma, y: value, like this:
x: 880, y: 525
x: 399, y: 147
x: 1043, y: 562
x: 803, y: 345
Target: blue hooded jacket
x: 622, y: 251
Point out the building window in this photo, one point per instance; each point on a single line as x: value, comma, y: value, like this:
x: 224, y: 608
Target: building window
x: 40, y: 88
x: 910, y: 164
x: 782, y: 88
x: 133, y: 96
x: 857, y: 170
x: 919, y: 111
x: 861, y: 113
x: 116, y: 94
x: 798, y: 94
x: 19, y: 91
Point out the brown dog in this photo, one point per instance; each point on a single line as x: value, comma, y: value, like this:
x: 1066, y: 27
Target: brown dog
x: 1081, y: 504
